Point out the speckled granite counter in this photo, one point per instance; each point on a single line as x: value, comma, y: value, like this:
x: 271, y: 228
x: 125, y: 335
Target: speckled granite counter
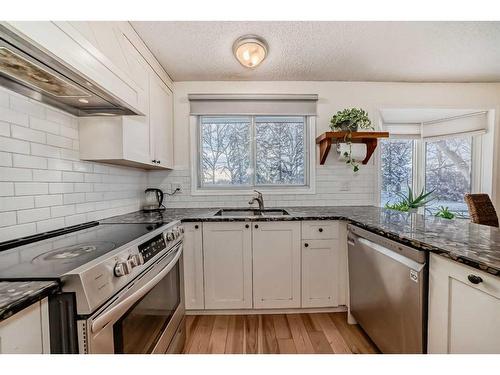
x: 17, y: 295
x: 475, y: 245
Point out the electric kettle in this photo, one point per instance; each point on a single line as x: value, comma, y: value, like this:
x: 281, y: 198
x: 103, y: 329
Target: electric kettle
x: 154, y: 200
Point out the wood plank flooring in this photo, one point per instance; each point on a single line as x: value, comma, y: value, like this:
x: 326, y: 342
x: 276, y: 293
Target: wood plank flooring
x: 317, y: 333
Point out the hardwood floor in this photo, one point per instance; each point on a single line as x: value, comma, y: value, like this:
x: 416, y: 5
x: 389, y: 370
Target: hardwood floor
x: 319, y: 333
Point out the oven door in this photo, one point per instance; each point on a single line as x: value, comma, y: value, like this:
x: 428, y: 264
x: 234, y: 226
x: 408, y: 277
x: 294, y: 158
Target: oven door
x: 143, y: 318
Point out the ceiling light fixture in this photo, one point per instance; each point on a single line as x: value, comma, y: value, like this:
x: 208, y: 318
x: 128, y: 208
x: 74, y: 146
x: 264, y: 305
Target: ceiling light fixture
x: 250, y: 50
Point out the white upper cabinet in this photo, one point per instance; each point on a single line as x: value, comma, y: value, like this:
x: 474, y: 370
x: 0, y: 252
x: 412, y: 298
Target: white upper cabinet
x: 464, y: 309
x: 161, y: 122
x: 141, y: 141
x: 276, y: 264
x: 227, y: 256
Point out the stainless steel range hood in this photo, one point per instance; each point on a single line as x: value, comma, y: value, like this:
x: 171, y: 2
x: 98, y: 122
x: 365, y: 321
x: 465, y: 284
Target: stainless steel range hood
x: 29, y: 71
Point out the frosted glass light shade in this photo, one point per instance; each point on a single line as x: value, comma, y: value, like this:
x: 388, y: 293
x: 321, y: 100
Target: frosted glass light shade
x: 250, y: 50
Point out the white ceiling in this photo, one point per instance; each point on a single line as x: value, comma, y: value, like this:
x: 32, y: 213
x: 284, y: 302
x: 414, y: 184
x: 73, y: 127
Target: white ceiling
x: 337, y: 51
x: 419, y: 115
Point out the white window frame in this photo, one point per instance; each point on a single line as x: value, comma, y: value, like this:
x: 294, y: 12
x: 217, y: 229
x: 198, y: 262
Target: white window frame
x: 419, y: 162
x: 309, y: 168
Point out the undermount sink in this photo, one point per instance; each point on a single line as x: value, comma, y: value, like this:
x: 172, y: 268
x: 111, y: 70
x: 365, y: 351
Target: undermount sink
x: 251, y: 212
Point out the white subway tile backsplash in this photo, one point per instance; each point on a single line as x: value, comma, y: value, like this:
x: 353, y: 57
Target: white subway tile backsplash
x: 11, y: 116
x: 44, y: 125
x: 14, y: 145
x: 5, y: 159
x: 48, y: 200
x: 58, y: 141
x: 15, y: 174
x: 24, y: 105
x: 74, y: 198
x: 6, y: 188
x: 46, y: 175
x: 58, y: 211
x: 42, y: 178
x: 15, y: 231
x: 36, y: 214
x: 60, y: 165
x: 16, y: 203
x: 4, y: 129
x: 31, y: 188
x: 8, y: 218
x: 48, y: 225
x: 27, y: 161
x: 27, y: 134
x: 61, y: 187
x: 72, y: 177
x: 45, y: 150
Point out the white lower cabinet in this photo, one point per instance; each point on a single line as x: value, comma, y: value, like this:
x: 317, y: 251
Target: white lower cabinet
x: 464, y: 317
x: 320, y: 273
x: 193, y: 266
x: 276, y: 264
x: 227, y: 259
x: 26, y: 332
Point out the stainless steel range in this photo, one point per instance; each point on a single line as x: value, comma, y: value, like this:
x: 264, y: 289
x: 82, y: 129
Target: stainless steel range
x: 122, y: 285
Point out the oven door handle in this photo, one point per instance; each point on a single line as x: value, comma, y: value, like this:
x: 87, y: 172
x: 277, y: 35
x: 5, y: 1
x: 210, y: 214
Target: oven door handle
x: 118, y: 310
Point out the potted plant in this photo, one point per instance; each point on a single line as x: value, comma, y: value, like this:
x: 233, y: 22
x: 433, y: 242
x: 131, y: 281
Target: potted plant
x: 411, y: 202
x: 445, y: 213
x: 350, y: 120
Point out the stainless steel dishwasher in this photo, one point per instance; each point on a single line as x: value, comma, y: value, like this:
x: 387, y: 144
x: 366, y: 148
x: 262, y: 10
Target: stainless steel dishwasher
x: 388, y: 291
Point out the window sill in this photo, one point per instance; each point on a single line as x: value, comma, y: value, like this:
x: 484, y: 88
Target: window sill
x: 265, y: 191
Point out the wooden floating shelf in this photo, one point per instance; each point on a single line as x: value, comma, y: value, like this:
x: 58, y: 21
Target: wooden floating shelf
x: 325, y: 141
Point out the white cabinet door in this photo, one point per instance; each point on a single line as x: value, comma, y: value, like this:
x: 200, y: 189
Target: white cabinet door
x: 161, y: 121
x: 25, y: 332
x: 320, y: 273
x: 227, y: 257
x: 463, y: 317
x: 276, y: 264
x: 193, y: 266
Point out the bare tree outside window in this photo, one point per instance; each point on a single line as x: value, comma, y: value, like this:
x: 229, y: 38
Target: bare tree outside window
x: 397, y: 168
x: 230, y: 157
x: 280, y: 156
x: 448, y: 172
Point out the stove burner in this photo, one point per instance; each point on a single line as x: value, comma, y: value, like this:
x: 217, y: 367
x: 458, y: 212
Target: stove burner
x: 75, y: 251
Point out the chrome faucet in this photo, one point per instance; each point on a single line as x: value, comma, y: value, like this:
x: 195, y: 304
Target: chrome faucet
x: 259, y: 198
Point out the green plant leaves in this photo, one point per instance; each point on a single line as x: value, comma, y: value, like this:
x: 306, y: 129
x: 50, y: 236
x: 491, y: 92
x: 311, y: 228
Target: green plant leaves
x: 445, y: 213
x: 410, y: 201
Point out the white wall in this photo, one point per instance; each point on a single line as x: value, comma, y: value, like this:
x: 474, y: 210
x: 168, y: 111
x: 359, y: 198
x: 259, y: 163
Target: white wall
x: 43, y: 183
x: 335, y: 183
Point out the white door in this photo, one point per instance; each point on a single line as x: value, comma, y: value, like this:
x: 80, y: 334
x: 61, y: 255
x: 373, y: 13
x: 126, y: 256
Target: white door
x: 193, y: 266
x: 320, y: 273
x: 464, y: 317
x: 161, y: 121
x: 276, y: 264
x: 227, y: 258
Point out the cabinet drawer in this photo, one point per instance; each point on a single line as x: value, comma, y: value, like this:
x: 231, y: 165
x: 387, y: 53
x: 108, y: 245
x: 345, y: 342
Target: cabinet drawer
x: 320, y: 230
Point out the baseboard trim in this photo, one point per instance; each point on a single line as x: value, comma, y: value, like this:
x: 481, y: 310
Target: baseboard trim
x: 268, y: 311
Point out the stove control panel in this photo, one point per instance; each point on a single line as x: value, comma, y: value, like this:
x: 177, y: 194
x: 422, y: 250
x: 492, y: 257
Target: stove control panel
x: 152, y: 247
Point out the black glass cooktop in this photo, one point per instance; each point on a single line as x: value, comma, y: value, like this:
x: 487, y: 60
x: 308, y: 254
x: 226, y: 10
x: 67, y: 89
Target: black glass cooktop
x: 50, y: 258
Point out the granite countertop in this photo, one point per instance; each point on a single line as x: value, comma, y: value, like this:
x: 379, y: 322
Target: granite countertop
x: 17, y: 295
x: 472, y: 244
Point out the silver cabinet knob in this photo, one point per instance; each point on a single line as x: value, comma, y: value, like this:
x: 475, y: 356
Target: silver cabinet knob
x: 121, y: 269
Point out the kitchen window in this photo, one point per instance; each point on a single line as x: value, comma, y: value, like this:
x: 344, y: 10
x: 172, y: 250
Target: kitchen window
x: 447, y: 166
x: 245, y: 152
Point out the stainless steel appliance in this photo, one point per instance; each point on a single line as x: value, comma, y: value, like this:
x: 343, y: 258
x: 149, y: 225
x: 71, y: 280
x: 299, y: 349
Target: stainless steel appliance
x: 154, y: 200
x: 122, y: 286
x: 26, y: 69
x: 388, y: 291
